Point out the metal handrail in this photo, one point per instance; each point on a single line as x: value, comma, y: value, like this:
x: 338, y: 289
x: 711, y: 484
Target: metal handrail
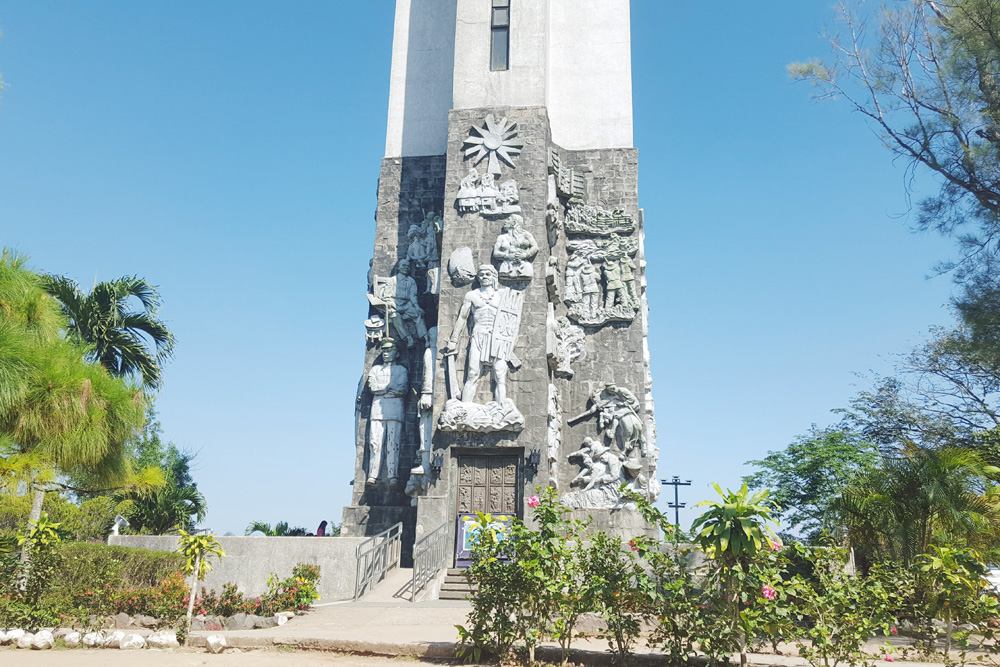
x: 376, y: 556
x: 430, y: 555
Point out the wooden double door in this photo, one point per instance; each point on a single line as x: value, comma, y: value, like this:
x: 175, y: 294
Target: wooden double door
x: 488, y: 484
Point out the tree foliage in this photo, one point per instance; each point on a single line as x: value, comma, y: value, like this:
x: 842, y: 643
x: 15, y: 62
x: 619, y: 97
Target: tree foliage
x: 58, y: 412
x: 129, y: 343
x: 178, y: 504
x: 926, y: 77
x: 809, y: 474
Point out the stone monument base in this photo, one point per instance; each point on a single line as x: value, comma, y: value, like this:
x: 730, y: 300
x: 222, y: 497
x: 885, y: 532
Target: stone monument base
x: 623, y: 523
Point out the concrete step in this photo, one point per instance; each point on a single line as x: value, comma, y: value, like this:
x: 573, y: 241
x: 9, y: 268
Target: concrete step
x: 453, y: 595
x: 458, y: 587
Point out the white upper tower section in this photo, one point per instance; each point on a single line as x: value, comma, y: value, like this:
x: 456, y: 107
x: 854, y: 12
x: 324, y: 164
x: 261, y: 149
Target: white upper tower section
x: 571, y: 56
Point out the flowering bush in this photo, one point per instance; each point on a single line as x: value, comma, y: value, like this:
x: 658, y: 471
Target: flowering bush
x: 532, y: 584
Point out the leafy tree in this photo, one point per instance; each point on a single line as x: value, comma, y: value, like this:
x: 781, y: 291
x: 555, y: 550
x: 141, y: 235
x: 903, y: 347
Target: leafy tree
x: 809, y: 474
x: 59, y: 414
x: 119, y: 337
x: 179, y: 504
x: 927, y: 80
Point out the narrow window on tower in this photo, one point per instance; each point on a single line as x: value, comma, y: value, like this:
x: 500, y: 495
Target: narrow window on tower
x: 500, y: 36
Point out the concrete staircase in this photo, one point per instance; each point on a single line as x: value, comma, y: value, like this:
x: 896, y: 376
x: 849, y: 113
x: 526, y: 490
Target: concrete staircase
x: 455, y: 586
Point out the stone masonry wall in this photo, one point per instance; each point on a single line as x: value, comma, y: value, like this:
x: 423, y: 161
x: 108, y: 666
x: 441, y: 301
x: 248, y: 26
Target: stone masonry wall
x: 528, y: 386
x: 407, y: 188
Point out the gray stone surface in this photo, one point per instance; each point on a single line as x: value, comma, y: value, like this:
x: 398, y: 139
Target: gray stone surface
x: 609, y: 352
x: 72, y: 639
x: 132, y: 642
x: 250, y: 560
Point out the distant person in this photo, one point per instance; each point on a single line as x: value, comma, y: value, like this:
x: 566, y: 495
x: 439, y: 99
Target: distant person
x: 321, y: 531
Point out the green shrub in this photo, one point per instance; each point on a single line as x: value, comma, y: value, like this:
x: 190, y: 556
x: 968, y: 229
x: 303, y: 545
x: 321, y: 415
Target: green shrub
x: 90, y: 566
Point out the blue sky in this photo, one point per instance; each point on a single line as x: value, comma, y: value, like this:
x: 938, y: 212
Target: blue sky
x: 231, y: 157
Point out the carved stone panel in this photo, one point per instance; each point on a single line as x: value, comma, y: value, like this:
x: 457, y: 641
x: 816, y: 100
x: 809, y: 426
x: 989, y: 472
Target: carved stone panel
x: 487, y: 484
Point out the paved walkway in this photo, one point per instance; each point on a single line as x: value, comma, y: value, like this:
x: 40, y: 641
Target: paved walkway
x: 386, y: 623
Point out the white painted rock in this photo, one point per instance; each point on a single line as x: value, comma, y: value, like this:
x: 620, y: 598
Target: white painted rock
x: 24, y: 641
x: 280, y: 619
x: 216, y: 643
x: 72, y: 639
x: 162, y: 640
x: 114, y: 639
x: 132, y: 642
x: 43, y: 640
x: 93, y: 639
x: 11, y: 635
x: 3, y: 636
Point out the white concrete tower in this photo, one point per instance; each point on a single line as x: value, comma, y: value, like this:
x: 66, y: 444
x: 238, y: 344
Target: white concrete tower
x: 572, y: 57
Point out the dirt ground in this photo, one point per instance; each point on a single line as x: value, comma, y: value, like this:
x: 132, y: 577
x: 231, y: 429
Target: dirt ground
x: 195, y: 657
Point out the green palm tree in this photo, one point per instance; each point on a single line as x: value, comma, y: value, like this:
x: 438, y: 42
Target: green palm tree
x: 58, y: 412
x: 281, y: 529
x: 918, y: 496
x: 126, y: 342
x: 172, y: 507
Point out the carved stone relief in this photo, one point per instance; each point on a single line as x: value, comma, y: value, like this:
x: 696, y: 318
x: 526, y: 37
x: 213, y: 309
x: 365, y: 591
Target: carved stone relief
x: 461, y: 267
x: 600, y: 280
x: 495, y: 316
x: 565, y: 343
x: 396, y: 297
x: 515, y: 249
x: 422, y: 247
x: 618, y: 420
x: 496, y: 140
x: 481, y: 194
x: 419, y: 481
x: 582, y: 219
x: 388, y: 384
x: 569, y: 184
x: 554, y: 434
x: 602, y: 474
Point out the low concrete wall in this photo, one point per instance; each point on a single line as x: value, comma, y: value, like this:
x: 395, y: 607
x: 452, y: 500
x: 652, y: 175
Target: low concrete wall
x: 250, y: 560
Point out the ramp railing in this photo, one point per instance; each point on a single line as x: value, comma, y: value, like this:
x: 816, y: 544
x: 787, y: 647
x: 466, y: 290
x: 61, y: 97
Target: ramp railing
x: 376, y: 556
x: 430, y: 556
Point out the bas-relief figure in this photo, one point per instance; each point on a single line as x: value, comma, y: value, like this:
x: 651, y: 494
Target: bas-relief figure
x: 388, y: 383
x: 515, y: 249
x: 554, y: 434
x: 565, y: 343
x: 422, y: 240
x: 587, y: 220
x: 495, y: 314
x: 601, y: 476
x: 425, y: 406
x: 419, y: 480
x: 481, y: 194
x: 600, y: 280
x: 397, y: 295
x: 618, y: 419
